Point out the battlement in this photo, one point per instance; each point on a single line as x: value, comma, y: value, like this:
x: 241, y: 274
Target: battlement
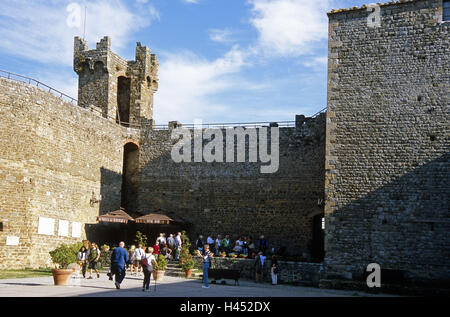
x: 117, y: 87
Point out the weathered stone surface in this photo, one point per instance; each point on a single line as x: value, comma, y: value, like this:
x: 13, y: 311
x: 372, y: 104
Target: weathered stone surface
x: 54, y: 155
x: 380, y: 156
x: 387, y: 159
x: 236, y: 198
x: 290, y: 272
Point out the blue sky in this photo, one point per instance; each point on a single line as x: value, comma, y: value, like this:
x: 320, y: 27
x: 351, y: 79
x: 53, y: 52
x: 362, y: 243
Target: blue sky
x: 220, y: 60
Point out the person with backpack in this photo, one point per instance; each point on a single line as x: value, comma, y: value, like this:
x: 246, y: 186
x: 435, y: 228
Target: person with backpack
x: 148, y: 263
x: 93, y: 256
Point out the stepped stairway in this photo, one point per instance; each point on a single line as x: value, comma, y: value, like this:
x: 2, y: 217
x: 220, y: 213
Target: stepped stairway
x: 174, y: 269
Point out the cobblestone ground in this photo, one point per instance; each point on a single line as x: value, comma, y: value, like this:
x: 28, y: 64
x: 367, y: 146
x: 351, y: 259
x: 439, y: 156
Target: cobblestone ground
x: 168, y: 287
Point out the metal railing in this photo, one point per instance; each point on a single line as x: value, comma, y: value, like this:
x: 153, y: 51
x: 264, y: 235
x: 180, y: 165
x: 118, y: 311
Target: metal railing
x: 319, y: 112
x: 31, y: 81
x: 230, y: 125
x: 28, y: 80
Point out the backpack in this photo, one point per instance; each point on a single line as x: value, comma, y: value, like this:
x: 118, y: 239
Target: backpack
x: 144, y: 262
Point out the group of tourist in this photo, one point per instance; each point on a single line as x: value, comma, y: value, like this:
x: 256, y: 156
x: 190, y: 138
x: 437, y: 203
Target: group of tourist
x: 141, y: 260
x: 240, y: 245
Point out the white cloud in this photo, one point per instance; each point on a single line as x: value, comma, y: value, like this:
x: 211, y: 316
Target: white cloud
x: 191, y: 1
x: 188, y: 83
x: 289, y: 27
x: 39, y: 30
x: 316, y: 62
x: 221, y: 35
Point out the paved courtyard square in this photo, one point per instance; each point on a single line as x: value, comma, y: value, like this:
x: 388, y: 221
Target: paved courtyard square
x: 168, y: 287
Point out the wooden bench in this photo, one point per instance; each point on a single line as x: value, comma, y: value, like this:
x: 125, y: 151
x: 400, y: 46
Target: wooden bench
x: 218, y: 274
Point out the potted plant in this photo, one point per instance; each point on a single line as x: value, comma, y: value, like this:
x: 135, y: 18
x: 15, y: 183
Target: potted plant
x: 184, y: 253
x: 187, y: 266
x: 162, y: 263
x: 62, y: 256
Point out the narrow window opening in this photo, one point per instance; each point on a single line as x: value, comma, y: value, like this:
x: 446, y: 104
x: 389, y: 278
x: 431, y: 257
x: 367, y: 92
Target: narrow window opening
x: 123, y: 101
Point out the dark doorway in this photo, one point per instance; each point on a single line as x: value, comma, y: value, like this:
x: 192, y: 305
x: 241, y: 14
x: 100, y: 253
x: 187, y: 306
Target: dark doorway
x: 123, y: 101
x: 318, y: 234
x: 129, y: 177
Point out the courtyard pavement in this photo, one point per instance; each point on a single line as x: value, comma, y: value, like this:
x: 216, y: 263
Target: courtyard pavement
x: 168, y: 287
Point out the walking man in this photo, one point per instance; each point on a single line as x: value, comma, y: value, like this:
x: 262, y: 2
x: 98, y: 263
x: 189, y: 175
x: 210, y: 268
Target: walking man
x: 207, y: 255
x: 93, y: 255
x: 171, y: 242
x: 119, y: 258
x: 178, y: 246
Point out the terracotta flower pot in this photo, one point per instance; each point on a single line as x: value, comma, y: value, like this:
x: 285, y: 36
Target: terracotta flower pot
x: 61, y: 276
x: 158, y: 275
x: 188, y: 273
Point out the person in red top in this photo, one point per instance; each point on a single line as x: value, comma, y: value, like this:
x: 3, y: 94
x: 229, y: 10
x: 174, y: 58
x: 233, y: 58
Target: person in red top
x: 156, y: 248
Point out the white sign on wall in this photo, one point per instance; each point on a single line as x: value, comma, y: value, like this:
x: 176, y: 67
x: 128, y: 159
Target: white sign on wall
x: 12, y: 240
x: 76, y: 229
x: 46, y: 226
x: 63, y: 228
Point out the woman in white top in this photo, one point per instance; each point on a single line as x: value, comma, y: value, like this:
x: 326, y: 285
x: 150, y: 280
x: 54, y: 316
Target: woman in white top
x: 82, y: 260
x: 148, y: 262
x: 138, y: 255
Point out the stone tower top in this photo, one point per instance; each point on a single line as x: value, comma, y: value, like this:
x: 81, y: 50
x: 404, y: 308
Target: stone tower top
x: 121, y: 89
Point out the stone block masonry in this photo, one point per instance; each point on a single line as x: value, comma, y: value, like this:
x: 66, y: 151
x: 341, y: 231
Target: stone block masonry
x: 236, y: 198
x: 387, y: 143
x: 53, y: 157
x: 379, y: 158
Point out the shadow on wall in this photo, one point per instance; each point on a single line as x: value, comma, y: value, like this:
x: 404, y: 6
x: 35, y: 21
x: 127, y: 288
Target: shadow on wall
x: 236, y: 198
x: 404, y: 226
x: 110, y: 190
x: 112, y: 233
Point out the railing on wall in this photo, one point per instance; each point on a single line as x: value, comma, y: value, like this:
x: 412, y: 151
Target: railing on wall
x: 37, y: 83
x: 31, y: 81
x: 230, y: 125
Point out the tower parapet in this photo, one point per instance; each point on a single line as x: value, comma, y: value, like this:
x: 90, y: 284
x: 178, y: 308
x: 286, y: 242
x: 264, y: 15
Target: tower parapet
x: 120, y: 89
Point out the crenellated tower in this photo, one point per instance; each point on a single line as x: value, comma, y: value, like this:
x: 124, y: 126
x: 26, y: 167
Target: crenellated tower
x: 120, y: 89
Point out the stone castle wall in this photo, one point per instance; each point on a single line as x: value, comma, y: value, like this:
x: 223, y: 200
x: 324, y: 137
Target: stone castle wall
x: 236, y: 198
x: 53, y: 156
x: 387, y: 147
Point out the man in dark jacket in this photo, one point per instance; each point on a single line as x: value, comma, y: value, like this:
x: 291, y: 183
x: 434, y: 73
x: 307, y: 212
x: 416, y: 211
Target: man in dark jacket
x: 119, y: 258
